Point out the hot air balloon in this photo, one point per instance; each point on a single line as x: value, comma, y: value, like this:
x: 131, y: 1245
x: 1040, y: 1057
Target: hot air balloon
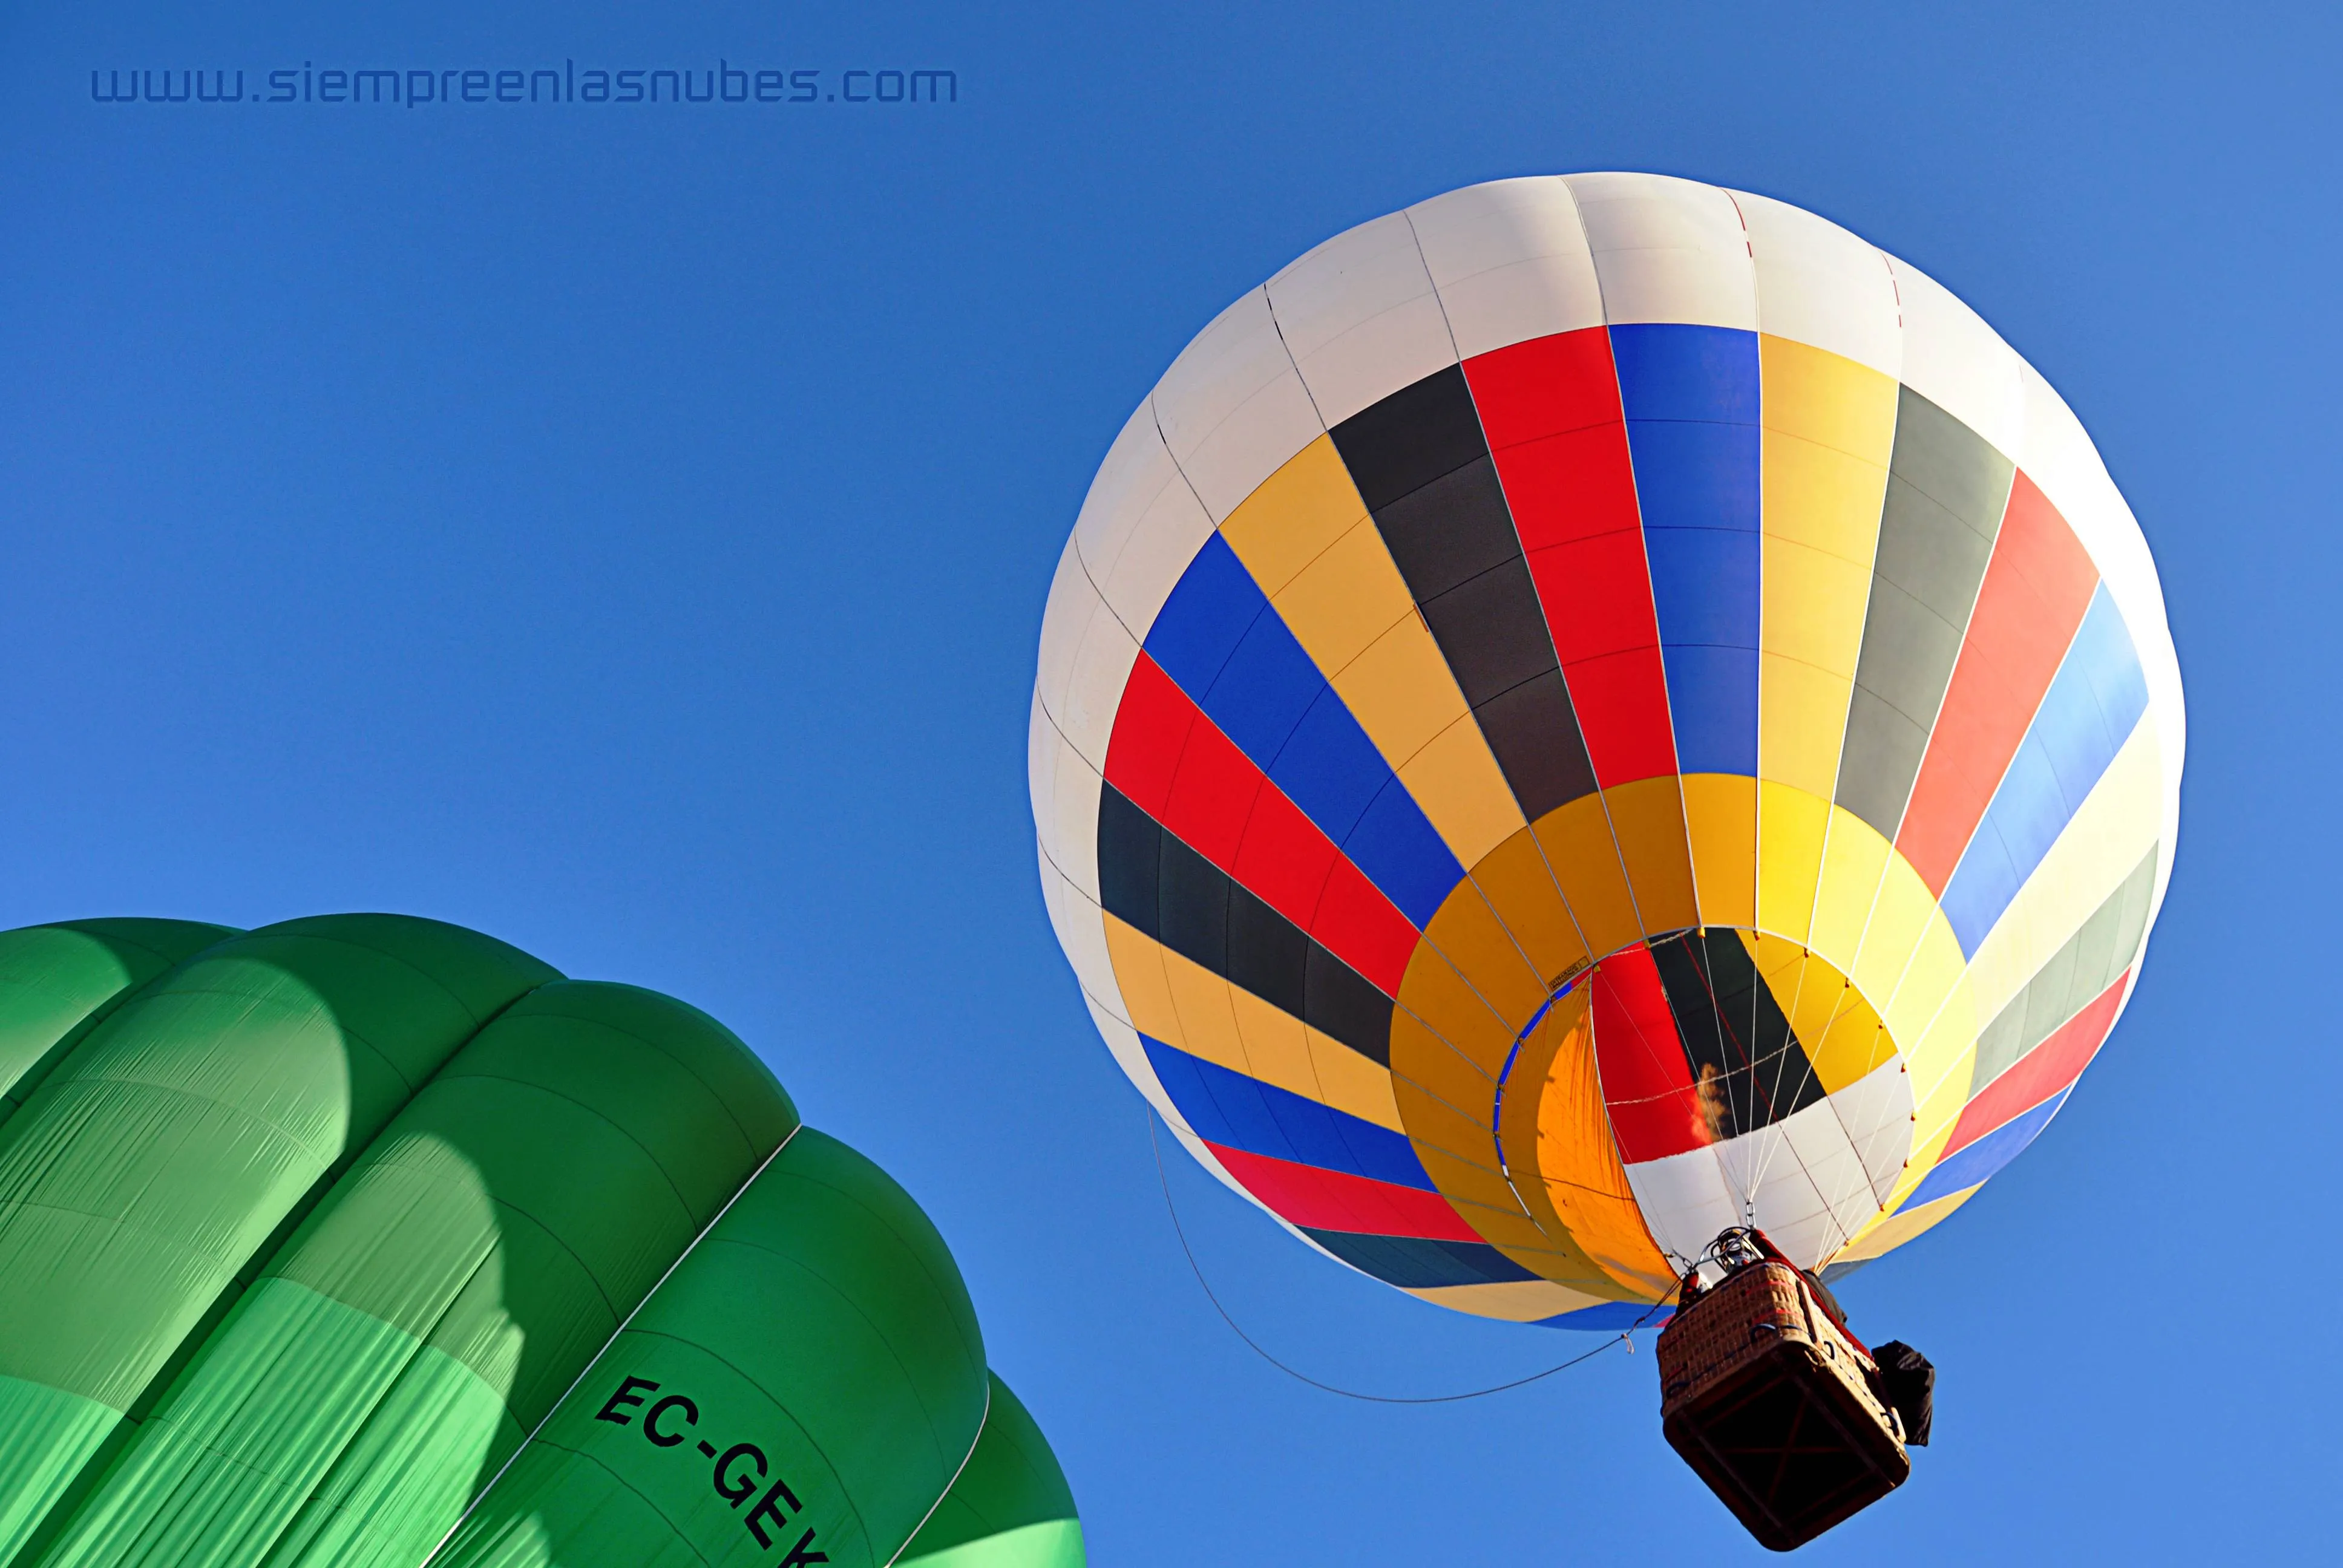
x: 1595, y: 711
x: 367, y: 1240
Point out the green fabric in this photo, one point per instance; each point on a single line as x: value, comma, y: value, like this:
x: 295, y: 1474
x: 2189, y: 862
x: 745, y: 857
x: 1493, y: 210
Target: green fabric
x: 444, y: 1293
x: 140, y: 1182
x: 304, y: 1230
x: 820, y: 1321
x: 57, y: 982
x: 1010, y: 1507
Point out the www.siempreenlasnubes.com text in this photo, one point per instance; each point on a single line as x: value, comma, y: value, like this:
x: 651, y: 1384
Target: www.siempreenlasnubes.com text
x: 722, y: 83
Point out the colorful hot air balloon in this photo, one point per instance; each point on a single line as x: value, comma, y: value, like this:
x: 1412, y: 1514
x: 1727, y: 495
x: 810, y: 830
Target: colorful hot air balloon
x: 1596, y: 709
x: 364, y: 1242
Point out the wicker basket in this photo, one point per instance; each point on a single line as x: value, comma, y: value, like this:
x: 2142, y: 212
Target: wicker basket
x: 1776, y: 1408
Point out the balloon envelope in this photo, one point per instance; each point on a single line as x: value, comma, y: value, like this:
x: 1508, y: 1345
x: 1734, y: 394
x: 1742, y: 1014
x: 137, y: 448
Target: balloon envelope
x: 1593, y: 709
x: 367, y: 1240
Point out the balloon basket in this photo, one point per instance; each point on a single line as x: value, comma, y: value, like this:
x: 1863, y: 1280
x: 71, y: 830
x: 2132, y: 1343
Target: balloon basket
x: 1775, y: 1407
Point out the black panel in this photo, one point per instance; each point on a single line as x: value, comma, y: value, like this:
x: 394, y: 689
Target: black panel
x: 1453, y: 528
x: 1411, y: 438
x: 1340, y: 1003
x: 1535, y: 733
x: 1946, y: 488
x: 1419, y: 460
x: 1492, y: 632
x: 1130, y: 848
x: 1419, y: 1263
x: 1193, y: 907
x: 1268, y: 955
x: 1732, y: 1031
x: 1151, y: 880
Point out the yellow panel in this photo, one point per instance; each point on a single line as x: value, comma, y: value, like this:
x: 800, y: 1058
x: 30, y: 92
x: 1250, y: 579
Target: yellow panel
x: 1721, y: 820
x: 1829, y: 431
x: 2116, y: 827
x: 1576, y: 1165
x: 1576, y: 840
x: 1468, y: 934
x: 1346, y: 598
x: 1207, y: 1020
x: 1889, y: 1231
x: 1455, y: 778
x: 1515, y: 1301
x: 1853, y: 856
x: 1514, y: 877
x: 1803, y: 722
x: 1353, y: 1083
x: 1295, y: 515
x: 1791, y: 826
x: 1400, y: 690
x: 1901, y: 912
x: 1843, y: 1035
x: 1138, y: 961
x: 1648, y: 821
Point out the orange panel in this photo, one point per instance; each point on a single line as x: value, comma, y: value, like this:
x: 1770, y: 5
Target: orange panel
x: 1576, y: 840
x: 1515, y: 880
x: 1647, y: 819
x: 1576, y: 1163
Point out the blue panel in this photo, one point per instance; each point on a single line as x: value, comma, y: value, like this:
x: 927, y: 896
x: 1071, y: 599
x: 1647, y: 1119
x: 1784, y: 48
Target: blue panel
x: 1672, y: 372
x: 1415, y: 1263
x: 1985, y: 1156
x: 1212, y: 606
x: 1245, y: 1113
x: 1267, y: 685
x: 2096, y: 700
x: 1398, y: 848
x: 1691, y: 399
x: 1611, y: 1317
x: 1329, y: 767
x: 1223, y: 643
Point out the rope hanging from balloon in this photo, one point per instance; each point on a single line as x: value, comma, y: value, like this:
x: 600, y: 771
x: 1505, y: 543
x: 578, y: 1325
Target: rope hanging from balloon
x: 1164, y: 1180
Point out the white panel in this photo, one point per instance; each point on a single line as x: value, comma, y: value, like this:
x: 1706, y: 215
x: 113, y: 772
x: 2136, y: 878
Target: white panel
x: 1360, y: 317
x: 1510, y: 261
x: 1956, y: 361
x: 1876, y: 1112
x: 1081, y: 928
x: 1683, y: 1201
x: 1667, y: 250
x: 1819, y: 285
x: 1131, y: 482
x: 1073, y: 599
x: 1086, y: 656
x: 2058, y: 455
x: 1231, y: 407
x: 1160, y: 544
x: 1065, y: 790
x: 1782, y: 1198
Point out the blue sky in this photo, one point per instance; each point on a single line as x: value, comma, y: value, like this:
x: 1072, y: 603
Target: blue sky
x: 627, y: 532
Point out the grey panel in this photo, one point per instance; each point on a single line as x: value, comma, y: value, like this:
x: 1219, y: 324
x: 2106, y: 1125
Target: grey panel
x: 1947, y: 487
x: 2094, y: 959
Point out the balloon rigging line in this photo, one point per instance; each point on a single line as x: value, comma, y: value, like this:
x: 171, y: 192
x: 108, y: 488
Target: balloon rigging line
x: 1251, y: 1343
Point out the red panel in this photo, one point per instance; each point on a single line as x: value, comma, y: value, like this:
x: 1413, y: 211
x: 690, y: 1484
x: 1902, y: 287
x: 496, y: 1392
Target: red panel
x: 2035, y: 590
x: 1551, y: 407
x: 1356, y: 922
x: 1544, y: 387
x: 1150, y: 729
x: 1647, y: 1085
x: 1178, y: 766
x: 2041, y: 1072
x: 1325, y: 1200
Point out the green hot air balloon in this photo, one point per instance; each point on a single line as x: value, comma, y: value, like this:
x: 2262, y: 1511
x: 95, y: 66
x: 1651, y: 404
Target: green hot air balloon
x: 370, y: 1241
